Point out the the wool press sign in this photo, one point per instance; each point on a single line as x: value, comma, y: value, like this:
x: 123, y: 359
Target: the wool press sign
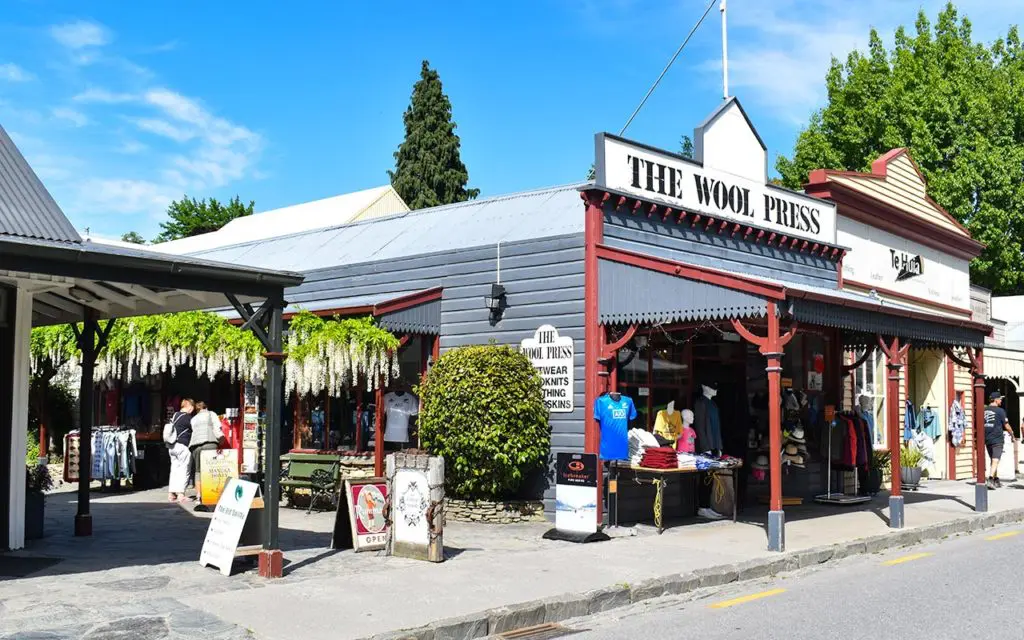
x: 552, y: 356
x: 659, y: 176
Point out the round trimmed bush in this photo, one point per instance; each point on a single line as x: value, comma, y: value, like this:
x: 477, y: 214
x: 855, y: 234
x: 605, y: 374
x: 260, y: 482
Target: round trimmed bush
x: 483, y: 411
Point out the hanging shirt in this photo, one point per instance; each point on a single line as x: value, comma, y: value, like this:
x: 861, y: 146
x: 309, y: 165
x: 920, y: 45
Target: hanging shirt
x: 669, y: 425
x: 928, y: 423
x: 708, y: 424
x: 613, y: 417
x: 398, y: 409
x: 957, y: 424
x: 909, y: 421
x: 687, y: 442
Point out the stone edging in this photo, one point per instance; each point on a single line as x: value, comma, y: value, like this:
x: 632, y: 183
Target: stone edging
x: 564, y: 607
x: 500, y: 512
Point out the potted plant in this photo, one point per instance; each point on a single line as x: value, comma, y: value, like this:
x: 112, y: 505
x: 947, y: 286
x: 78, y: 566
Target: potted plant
x: 877, y: 470
x: 37, y: 483
x: 910, y: 463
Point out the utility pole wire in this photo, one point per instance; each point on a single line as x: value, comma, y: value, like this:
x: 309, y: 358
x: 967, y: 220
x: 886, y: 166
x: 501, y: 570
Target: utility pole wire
x: 665, y: 70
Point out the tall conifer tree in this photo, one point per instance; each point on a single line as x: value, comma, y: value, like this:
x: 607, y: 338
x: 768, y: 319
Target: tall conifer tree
x: 428, y: 166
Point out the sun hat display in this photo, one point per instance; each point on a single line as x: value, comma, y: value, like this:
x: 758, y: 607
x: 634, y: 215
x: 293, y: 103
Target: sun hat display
x: 791, y: 449
x: 797, y: 435
x: 761, y: 462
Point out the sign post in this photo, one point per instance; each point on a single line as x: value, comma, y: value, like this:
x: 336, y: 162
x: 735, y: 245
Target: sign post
x: 576, y: 499
x: 553, y: 357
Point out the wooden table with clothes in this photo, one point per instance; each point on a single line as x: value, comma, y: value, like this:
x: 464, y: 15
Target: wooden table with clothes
x: 622, y: 475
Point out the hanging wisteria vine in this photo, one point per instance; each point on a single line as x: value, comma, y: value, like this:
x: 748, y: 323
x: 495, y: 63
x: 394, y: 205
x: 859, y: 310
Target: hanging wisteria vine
x: 322, y: 354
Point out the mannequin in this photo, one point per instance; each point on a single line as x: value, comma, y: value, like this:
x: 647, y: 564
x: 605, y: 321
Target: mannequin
x: 707, y: 422
x: 668, y: 425
x: 400, y: 408
x: 687, y: 442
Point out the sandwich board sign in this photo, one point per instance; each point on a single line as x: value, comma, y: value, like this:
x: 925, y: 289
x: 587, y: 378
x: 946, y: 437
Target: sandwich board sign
x: 227, y: 523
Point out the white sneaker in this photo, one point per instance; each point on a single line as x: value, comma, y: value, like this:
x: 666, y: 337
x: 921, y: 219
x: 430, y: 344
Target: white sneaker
x: 710, y: 514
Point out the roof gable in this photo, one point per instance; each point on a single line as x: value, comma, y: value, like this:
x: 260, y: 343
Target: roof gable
x: 727, y: 141
x: 896, y: 180
x: 27, y: 209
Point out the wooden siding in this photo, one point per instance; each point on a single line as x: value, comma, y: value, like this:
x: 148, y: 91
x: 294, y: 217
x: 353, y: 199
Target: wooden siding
x: 696, y: 246
x: 902, y: 188
x: 965, y: 453
x: 544, y: 283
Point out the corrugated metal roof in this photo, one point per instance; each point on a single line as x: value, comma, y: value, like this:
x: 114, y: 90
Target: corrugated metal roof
x: 307, y: 216
x: 628, y: 295
x: 522, y: 216
x: 26, y: 208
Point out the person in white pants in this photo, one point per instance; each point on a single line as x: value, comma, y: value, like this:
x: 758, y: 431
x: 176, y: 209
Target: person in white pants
x: 181, y: 457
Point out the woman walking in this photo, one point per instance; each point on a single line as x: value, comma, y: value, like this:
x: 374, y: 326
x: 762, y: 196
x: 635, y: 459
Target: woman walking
x: 181, y: 457
x: 206, y: 436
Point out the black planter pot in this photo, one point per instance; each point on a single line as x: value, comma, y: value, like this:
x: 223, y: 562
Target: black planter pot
x: 35, y: 510
x: 874, y: 482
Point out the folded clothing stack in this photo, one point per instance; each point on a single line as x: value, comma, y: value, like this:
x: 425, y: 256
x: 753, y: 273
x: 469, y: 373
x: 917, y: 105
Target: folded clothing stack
x: 687, y: 461
x: 639, y: 441
x: 660, y: 458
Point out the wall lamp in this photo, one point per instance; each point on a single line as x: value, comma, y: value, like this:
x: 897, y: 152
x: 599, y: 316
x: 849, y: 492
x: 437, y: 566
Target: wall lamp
x: 495, y: 301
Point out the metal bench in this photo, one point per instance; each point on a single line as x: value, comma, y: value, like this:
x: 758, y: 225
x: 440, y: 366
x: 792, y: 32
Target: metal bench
x: 318, y: 473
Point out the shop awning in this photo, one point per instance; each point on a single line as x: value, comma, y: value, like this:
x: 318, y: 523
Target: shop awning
x: 417, y: 312
x: 1006, y: 364
x: 630, y: 294
x: 870, y: 316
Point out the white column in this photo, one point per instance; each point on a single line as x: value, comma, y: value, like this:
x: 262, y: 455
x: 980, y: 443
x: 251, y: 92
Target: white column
x: 19, y: 416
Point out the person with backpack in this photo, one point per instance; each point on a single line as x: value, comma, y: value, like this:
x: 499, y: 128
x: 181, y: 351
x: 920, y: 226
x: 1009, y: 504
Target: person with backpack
x: 206, y: 436
x: 177, y: 436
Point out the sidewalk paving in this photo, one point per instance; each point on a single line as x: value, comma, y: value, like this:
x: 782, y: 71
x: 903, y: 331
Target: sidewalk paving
x: 140, y: 569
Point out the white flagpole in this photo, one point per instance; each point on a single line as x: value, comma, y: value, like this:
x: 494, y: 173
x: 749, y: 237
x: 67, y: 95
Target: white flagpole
x: 725, y: 54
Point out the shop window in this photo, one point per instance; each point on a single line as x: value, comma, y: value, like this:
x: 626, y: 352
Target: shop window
x: 869, y: 390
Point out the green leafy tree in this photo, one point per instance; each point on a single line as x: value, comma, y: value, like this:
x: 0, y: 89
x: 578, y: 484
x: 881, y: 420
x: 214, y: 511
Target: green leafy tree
x: 483, y: 411
x: 428, y: 165
x: 133, y: 237
x: 685, y: 150
x: 190, y: 217
x: 958, y: 105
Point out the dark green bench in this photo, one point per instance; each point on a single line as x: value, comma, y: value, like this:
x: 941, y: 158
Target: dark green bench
x: 318, y: 472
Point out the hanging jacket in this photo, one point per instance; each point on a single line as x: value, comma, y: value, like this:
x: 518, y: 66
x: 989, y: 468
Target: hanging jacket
x: 928, y: 423
x: 850, y: 442
x: 909, y: 421
x: 957, y: 424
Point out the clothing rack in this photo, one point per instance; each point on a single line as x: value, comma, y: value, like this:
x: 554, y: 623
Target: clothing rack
x: 839, y: 499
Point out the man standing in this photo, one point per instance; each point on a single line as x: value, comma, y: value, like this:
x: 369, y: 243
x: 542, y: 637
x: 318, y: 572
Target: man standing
x: 996, y: 423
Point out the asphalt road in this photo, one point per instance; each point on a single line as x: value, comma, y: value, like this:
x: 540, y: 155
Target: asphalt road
x: 967, y: 587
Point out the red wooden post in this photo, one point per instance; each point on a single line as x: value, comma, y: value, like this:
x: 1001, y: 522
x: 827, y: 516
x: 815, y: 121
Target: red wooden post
x: 378, y: 435
x: 895, y: 356
x: 980, y: 487
x: 592, y: 237
x: 771, y: 347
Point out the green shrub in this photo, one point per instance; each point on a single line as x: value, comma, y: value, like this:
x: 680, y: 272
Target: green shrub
x: 483, y: 411
x: 32, y: 451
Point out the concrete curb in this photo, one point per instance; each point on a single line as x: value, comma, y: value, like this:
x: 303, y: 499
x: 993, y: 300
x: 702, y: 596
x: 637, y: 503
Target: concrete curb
x: 567, y: 606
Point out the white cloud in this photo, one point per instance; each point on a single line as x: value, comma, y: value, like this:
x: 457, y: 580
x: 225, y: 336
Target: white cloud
x: 68, y: 114
x: 102, y: 96
x: 163, y: 128
x: 80, y: 34
x: 103, y: 196
x: 780, y: 51
x: 13, y: 73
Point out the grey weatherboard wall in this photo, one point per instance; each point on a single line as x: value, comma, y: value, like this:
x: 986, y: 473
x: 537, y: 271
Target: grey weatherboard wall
x: 696, y: 246
x: 544, y: 281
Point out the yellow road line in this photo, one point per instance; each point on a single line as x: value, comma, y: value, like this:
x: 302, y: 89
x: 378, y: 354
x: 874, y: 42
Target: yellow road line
x: 1000, y: 536
x: 744, y: 599
x: 916, y: 556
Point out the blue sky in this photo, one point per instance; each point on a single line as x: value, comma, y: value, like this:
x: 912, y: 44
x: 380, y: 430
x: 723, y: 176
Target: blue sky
x: 123, y: 107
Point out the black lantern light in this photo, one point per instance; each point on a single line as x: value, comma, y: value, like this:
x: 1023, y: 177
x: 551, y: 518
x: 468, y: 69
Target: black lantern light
x: 495, y: 302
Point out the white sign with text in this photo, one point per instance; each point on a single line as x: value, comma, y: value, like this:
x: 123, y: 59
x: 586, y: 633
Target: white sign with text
x: 893, y: 265
x: 552, y: 355
x: 659, y: 176
x: 226, y: 526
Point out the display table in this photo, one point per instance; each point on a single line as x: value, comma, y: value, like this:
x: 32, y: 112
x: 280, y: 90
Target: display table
x: 660, y: 478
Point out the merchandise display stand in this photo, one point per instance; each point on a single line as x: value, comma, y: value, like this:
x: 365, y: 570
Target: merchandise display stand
x: 839, y: 499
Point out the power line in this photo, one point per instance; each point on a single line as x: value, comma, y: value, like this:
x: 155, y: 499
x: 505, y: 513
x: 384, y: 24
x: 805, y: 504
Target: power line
x: 667, y: 66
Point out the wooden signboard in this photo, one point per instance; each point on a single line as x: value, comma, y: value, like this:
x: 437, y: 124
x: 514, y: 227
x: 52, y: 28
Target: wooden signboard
x: 360, y: 521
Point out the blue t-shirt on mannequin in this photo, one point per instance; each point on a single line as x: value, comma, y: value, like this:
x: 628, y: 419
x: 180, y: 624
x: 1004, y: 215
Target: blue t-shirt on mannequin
x: 614, y: 416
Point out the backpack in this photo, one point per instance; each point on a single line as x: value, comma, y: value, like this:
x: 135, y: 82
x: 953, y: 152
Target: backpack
x: 170, y: 433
